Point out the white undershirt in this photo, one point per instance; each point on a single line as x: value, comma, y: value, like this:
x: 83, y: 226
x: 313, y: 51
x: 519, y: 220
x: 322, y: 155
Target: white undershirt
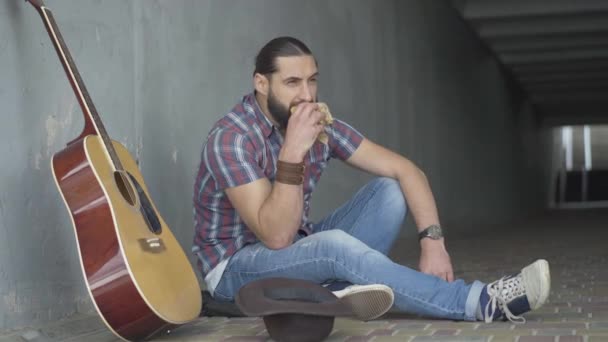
x: 215, y: 275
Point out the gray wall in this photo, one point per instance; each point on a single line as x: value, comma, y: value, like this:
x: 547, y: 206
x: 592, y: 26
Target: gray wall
x: 407, y: 74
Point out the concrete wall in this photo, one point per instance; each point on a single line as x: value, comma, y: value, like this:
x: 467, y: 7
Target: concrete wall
x: 407, y: 74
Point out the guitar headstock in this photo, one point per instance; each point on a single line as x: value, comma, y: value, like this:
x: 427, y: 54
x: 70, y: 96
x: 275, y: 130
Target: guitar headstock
x: 36, y: 3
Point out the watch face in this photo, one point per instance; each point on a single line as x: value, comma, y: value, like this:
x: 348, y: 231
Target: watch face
x: 435, y: 233
x: 432, y: 232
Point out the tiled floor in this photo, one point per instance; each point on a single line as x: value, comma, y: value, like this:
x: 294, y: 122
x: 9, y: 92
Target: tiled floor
x: 574, y: 243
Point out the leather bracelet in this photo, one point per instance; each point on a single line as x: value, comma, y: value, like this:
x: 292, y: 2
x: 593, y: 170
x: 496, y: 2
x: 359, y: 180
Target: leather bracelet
x: 297, y: 167
x: 289, y: 178
x: 290, y: 173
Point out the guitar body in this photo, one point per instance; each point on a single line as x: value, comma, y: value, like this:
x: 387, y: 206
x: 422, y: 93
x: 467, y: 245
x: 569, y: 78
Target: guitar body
x: 138, y: 276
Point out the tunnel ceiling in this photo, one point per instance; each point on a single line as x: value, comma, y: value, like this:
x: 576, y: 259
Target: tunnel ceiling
x: 556, y: 49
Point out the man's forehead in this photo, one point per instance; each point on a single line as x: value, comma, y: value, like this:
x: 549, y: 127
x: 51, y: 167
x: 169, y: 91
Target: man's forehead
x: 296, y: 66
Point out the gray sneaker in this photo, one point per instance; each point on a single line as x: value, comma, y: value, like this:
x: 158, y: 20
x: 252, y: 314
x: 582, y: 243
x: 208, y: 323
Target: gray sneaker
x: 509, y: 297
x: 367, y: 301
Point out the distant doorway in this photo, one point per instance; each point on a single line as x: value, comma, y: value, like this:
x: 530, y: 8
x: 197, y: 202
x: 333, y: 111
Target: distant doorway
x: 582, y: 178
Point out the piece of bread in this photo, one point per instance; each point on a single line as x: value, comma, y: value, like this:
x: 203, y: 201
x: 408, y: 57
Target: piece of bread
x: 328, y: 120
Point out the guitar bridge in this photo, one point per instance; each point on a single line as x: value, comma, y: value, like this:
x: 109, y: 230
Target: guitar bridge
x: 152, y: 245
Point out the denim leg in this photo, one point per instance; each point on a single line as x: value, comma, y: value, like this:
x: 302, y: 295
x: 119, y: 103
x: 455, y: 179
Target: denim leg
x: 334, y: 254
x: 374, y: 215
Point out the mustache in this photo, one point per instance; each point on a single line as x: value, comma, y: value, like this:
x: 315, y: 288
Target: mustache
x: 293, y: 106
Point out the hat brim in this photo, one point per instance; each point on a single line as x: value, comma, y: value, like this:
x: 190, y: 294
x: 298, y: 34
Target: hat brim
x: 273, y: 296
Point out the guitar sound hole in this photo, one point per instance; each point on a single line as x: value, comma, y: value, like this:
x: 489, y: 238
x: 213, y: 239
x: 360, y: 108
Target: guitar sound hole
x: 125, y: 188
x: 146, y: 208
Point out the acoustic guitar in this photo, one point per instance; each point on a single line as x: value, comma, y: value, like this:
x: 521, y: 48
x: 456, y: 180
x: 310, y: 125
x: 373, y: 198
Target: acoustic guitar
x: 139, y: 278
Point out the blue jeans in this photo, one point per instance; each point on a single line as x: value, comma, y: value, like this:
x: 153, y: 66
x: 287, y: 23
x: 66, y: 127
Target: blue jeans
x: 351, y: 245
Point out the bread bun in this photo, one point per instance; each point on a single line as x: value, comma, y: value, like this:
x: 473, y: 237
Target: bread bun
x: 327, y: 120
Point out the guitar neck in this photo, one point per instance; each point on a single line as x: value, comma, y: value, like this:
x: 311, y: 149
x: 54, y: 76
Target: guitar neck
x: 93, y: 124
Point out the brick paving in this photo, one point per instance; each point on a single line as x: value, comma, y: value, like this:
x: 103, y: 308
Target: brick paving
x: 574, y: 243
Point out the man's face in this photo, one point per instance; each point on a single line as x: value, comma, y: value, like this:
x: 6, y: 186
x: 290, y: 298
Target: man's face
x: 294, y: 82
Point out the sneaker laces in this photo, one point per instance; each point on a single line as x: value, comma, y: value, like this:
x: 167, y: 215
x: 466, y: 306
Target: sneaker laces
x: 501, y: 292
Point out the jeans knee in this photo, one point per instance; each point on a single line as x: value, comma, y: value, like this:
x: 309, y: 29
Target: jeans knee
x: 335, y: 242
x: 336, y: 251
x: 390, y: 197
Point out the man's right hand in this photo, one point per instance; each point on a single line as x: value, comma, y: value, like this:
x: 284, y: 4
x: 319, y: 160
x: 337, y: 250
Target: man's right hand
x: 303, y: 129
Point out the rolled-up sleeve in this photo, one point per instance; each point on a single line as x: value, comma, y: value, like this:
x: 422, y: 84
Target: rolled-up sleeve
x: 231, y: 158
x: 343, y: 140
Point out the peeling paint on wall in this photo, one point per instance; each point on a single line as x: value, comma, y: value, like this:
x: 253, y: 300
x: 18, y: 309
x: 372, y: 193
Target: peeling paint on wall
x: 138, y: 151
x: 10, y: 301
x: 54, y: 124
x: 97, y: 36
x: 1, y: 211
x: 174, y: 156
x: 37, y: 160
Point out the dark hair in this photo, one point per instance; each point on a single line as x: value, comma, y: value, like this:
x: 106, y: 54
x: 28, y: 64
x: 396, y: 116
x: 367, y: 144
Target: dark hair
x: 265, y: 61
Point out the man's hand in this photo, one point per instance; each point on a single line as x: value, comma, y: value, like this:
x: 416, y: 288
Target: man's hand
x: 435, y: 260
x: 302, y: 130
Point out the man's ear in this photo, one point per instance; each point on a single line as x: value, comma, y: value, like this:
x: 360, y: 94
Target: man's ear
x: 261, y: 83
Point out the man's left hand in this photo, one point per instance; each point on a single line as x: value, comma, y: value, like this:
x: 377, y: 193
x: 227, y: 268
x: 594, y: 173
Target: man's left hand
x: 435, y: 260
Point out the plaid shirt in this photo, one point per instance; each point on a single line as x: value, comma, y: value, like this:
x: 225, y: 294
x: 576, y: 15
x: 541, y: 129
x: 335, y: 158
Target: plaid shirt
x: 242, y: 147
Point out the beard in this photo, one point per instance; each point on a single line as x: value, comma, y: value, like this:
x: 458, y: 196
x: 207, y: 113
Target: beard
x: 279, y: 112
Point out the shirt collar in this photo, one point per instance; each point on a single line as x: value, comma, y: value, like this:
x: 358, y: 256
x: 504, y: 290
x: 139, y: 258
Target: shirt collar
x: 262, y: 120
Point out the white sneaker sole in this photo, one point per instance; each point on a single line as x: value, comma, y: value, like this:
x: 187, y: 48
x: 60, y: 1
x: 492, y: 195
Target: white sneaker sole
x: 368, y: 301
x: 537, y: 281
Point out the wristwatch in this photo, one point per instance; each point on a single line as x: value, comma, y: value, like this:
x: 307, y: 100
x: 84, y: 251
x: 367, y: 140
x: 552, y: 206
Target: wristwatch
x: 433, y: 232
